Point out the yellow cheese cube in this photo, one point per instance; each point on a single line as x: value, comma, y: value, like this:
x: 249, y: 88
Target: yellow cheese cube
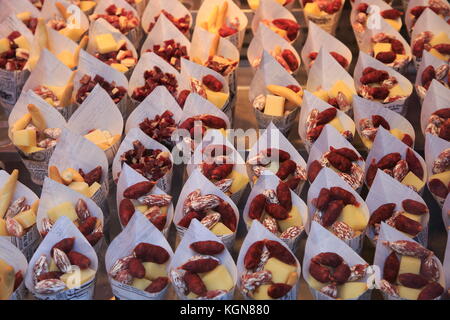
x: 274, y: 105
x: 408, y: 293
x: 336, y: 123
x: 351, y: 290
x: 105, y: 43
x: 381, y: 47
x: 441, y: 37
x: 313, y: 283
x: 53, y: 266
x: 396, y: 24
x: 354, y: 217
x: 57, y: 90
x: 64, y: 209
x: 322, y: 94
x: 414, y: 217
x: 397, y: 133
x: 30, y: 149
x: 220, y: 229
x: 96, y: 136
x: 26, y: 218
x: 87, y: 5
x: 141, y: 284
x: 438, y: 55
x: 443, y: 176
x: 280, y: 270
x: 409, y: 265
x: 155, y: 270
x: 26, y: 15
x: 401, y: 57
x: 119, y: 67
x: 22, y: 42
x: 6, y: 280
x: 261, y: 293
x: 67, y: 58
x: 141, y: 208
x: 412, y: 180
x: 294, y: 219
x: 312, y: 8
x: 368, y: 143
x: 4, y: 45
x: 273, y: 166
x: 239, y: 181
x: 22, y: 122
x: 217, y: 279
x: 282, y: 33
x: 26, y: 137
x: 3, y: 231
x: 81, y: 187
x: 217, y: 98
x: 78, y: 277
x: 192, y: 296
x: 253, y: 4
x: 72, y: 33
x: 93, y: 188
x: 340, y: 86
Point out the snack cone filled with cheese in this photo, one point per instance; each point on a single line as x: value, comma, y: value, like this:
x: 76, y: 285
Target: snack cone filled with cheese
x: 139, y: 237
x: 209, y: 205
x: 278, y: 18
x: 282, y: 164
x: 138, y: 149
x: 266, y: 258
x: 317, y: 40
x: 275, y: 95
x: 417, y: 7
x: 322, y: 249
x: 167, y: 42
x: 14, y: 71
x: 13, y: 266
x: 18, y: 209
x: 151, y: 202
x: 351, y: 223
x: 434, y: 106
x: 324, y: 14
x: 59, y: 15
x: 34, y: 128
x: 369, y: 116
x: 23, y: 10
x: 225, y: 18
x: 107, y: 44
x: 196, y: 272
x: 77, y: 281
x: 430, y: 68
x: 59, y: 201
x: 313, y: 108
x: 219, y: 161
x: 103, y: 127
x: 173, y: 10
x: 268, y: 194
x: 398, y: 87
x: 267, y: 40
x: 399, y: 258
x: 331, y: 83
x: 122, y: 16
x: 397, y: 159
x: 437, y: 153
x: 430, y: 33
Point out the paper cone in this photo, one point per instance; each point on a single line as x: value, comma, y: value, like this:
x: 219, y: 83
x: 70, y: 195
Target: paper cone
x: 154, y: 8
x: 327, y: 22
x: 436, y: 98
x: 13, y: 257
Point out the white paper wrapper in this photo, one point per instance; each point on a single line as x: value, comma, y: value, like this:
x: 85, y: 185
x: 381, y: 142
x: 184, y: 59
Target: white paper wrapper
x: 74, y: 151
x: 29, y: 242
x: 89, y: 65
x: 258, y: 232
x: 386, y: 189
x: 134, y: 35
x: 270, y: 181
x: 138, y: 230
x: 197, y: 232
x: 326, y: 71
x: 154, y: 8
x: 388, y: 233
x: 163, y: 183
x: 12, y: 256
x: 11, y: 82
x: 98, y: 111
x: 433, y: 147
x: 363, y: 108
x: 427, y: 60
x: 271, y: 72
x: 446, y: 216
x: 318, y: 39
x: 364, y: 61
x: 127, y: 178
x: 327, y: 178
x: 386, y: 143
x: 267, y: 40
x: 62, y: 229
x: 321, y: 240
x: 437, y: 97
x: 37, y: 162
x: 311, y: 102
x: 234, y: 14
x: 327, y: 22
x: 428, y: 21
x: 195, y: 181
x: 272, y: 138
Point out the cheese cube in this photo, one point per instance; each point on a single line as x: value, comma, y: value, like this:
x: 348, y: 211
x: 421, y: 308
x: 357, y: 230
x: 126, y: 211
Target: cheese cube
x: 141, y: 284
x: 294, y: 219
x: 336, y: 123
x: 312, y: 8
x: 72, y: 33
x: 22, y: 42
x: 395, y: 23
x: 322, y: 94
x: 192, y: 296
x: 26, y: 218
x: 53, y: 266
x: 282, y: 33
x: 280, y: 270
x: 3, y: 231
x: 408, y: 293
x: 261, y: 293
x: 64, y: 209
x: 438, y: 55
x: 368, y: 143
x: 253, y: 4
x: 105, y: 43
x: 67, y: 58
x: 87, y: 5
x: 217, y: 98
x: 409, y: 265
x: 412, y: 180
x: 313, y: 283
x: 26, y: 137
x: 57, y: 90
x: 441, y: 37
x: 217, y: 279
x: 443, y: 176
x: 155, y: 270
x: 397, y: 91
x: 397, y: 133
x: 78, y: 277
x: 414, y: 217
x: 220, y: 229
x: 4, y: 45
x: 81, y: 187
x: 30, y: 149
x: 273, y: 166
x: 341, y: 86
x: 6, y: 280
x: 351, y: 290
x: 274, y: 105
x: 93, y: 188
x: 141, y: 208
x: 354, y: 217
x: 119, y: 67
x: 239, y: 181
x: 96, y: 136
x: 381, y: 47
x: 26, y: 15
